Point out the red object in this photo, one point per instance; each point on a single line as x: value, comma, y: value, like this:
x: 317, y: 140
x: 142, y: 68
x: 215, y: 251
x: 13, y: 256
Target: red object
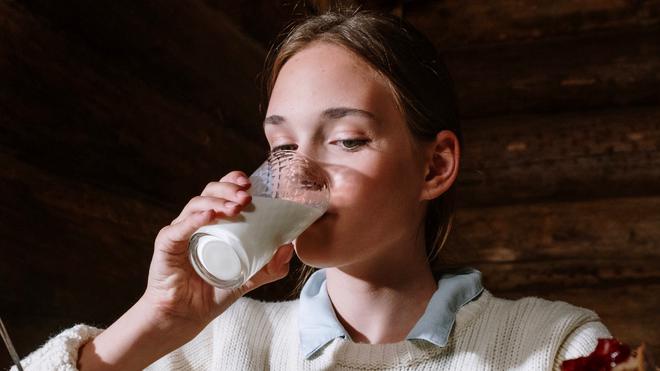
x: 608, y: 354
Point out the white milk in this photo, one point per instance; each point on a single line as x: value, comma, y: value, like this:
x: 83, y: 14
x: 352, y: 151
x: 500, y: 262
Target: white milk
x: 234, y: 249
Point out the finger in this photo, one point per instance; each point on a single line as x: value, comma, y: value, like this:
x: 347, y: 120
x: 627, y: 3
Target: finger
x: 236, y: 177
x: 277, y: 268
x: 228, y: 191
x: 201, y: 203
x: 170, y: 238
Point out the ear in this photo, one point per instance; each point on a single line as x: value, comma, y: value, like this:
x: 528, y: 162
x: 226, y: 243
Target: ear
x: 441, y: 166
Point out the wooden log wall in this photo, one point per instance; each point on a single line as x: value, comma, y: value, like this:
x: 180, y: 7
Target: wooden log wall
x: 114, y: 114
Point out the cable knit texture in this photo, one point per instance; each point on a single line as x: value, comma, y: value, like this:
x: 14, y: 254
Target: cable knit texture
x: 60, y: 353
x: 489, y: 334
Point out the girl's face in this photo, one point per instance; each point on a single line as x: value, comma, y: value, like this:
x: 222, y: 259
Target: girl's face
x: 330, y: 105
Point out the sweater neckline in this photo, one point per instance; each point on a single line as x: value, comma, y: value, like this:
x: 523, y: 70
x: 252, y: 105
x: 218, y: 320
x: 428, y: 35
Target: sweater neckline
x: 318, y: 324
x: 346, y: 353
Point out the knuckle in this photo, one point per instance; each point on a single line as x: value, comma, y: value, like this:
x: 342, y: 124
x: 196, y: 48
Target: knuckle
x: 196, y: 200
x: 210, y: 185
x: 161, y: 235
x: 231, y: 175
x: 221, y: 189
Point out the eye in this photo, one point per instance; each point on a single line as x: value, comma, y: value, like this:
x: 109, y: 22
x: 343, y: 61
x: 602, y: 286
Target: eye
x: 285, y: 147
x: 352, y: 144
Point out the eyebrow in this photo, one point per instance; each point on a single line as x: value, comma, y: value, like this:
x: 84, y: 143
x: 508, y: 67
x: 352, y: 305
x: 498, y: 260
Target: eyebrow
x: 333, y: 113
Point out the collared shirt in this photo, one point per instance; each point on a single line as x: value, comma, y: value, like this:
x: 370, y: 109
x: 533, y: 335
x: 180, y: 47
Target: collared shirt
x: 318, y: 324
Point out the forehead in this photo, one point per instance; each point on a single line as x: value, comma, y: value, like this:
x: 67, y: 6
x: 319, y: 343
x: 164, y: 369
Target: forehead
x: 325, y: 75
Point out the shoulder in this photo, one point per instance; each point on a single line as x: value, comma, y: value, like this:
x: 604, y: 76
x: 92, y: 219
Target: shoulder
x: 569, y: 331
x: 528, y: 313
x: 537, y: 313
x: 534, y: 331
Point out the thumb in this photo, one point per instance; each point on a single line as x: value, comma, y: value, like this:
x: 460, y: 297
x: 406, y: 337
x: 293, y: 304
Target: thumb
x: 173, y: 236
x: 277, y: 268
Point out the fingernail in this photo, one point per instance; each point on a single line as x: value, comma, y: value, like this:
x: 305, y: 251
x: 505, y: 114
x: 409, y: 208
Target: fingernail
x: 242, y: 194
x: 230, y: 204
x: 243, y: 180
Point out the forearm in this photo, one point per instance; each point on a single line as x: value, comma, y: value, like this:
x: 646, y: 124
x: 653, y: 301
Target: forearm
x: 134, y: 341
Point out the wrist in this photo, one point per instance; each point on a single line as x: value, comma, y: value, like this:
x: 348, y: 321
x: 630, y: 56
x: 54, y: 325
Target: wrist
x: 163, y: 320
x: 137, y: 339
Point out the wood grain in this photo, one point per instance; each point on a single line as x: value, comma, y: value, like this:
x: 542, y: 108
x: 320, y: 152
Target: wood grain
x: 70, y: 241
x: 562, y: 156
x: 586, y: 72
x: 82, y: 109
x: 520, y: 56
x: 455, y: 24
x: 604, y: 230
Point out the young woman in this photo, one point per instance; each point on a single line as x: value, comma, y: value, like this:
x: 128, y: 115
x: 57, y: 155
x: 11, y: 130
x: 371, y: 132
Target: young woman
x: 366, y: 96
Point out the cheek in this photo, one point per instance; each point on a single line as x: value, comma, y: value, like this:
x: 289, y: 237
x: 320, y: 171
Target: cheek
x: 368, y: 201
x: 380, y: 183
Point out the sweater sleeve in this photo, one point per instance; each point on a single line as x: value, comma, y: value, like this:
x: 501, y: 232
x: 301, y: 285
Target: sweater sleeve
x: 581, y: 342
x: 60, y: 352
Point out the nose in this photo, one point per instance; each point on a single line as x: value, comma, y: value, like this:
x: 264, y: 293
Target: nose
x: 314, y: 154
x: 308, y: 151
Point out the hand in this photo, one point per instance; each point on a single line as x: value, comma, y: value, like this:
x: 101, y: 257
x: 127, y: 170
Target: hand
x: 177, y: 303
x: 174, y: 289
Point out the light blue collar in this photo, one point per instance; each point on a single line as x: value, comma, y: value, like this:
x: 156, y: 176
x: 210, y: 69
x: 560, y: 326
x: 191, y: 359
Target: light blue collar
x: 318, y: 324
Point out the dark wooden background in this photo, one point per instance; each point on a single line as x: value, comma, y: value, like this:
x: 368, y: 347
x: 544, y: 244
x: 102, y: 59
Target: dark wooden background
x: 114, y: 113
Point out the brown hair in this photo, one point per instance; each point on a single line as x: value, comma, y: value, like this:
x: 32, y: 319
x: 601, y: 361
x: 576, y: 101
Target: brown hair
x: 418, y: 77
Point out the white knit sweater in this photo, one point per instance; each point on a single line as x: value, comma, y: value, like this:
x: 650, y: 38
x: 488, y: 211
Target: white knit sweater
x: 489, y: 334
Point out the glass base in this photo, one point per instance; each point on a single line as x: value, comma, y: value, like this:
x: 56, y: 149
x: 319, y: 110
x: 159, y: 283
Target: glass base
x: 199, y: 266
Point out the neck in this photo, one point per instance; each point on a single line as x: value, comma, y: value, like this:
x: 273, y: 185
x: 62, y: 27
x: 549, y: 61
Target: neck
x: 381, y: 301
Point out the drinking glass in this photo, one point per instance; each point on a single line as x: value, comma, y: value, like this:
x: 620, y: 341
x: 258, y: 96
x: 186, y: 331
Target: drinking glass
x: 289, y: 193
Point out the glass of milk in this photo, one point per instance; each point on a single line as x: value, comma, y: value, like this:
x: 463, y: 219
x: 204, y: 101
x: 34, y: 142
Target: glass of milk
x: 289, y: 192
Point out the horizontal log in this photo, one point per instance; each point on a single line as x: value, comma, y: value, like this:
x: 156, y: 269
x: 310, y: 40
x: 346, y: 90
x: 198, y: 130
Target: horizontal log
x: 453, y: 24
x: 580, y: 73
x: 569, y: 156
x: 156, y: 113
x: 520, y: 56
x: 611, y: 231
x: 539, y: 277
x: 188, y: 53
x: 69, y: 241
